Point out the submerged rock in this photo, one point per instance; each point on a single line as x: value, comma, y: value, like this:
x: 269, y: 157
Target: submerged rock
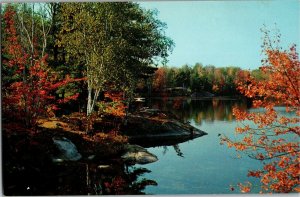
x: 68, y: 151
x: 138, y: 155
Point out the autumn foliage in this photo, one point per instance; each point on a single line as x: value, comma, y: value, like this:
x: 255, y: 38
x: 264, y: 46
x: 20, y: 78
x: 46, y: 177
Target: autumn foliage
x: 275, y: 137
x: 31, y: 95
x: 117, y: 106
x: 159, y: 81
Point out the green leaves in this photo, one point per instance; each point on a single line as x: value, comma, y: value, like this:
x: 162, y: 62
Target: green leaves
x: 116, y: 41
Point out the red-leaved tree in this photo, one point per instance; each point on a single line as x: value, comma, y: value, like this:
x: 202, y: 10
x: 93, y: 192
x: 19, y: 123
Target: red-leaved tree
x: 31, y: 95
x: 275, y: 137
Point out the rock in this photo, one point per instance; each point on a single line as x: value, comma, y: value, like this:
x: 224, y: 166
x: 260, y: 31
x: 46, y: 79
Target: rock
x: 103, y: 166
x: 158, y: 130
x: 91, y: 157
x: 57, y: 160
x: 68, y: 151
x: 138, y: 155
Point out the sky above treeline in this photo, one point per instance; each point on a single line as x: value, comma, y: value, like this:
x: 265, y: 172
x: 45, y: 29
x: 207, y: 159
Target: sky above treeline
x: 225, y: 33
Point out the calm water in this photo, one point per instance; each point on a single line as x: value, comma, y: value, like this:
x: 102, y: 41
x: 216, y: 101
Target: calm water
x: 200, y: 166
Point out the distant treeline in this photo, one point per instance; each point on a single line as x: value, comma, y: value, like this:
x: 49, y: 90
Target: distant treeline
x: 199, y: 78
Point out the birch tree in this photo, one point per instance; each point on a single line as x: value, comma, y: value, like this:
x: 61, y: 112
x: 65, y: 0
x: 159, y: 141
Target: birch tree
x: 113, y: 41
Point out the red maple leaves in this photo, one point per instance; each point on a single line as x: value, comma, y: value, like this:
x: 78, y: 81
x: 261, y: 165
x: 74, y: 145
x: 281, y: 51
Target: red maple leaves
x: 32, y: 93
x: 275, y: 138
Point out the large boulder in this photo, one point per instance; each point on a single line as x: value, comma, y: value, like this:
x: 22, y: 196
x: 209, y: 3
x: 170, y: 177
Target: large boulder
x: 152, y: 127
x: 138, y: 155
x: 67, y: 150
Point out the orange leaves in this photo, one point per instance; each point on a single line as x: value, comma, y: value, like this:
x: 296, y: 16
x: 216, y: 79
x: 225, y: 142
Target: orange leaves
x: 282, y: 85
x: 275, y: 136
x: 31, y: 94
x: 283, y: 162
x: 159, y: 81
x: 257, y: 103
x: 265, y: 180
x: 215, y: 88
x: 114, y: 96
x: 248, y: 139
x: 239, y: 114
x: 240, y: 146
x: 297, y: 189
x: 256, y: 174
x: 245, y: 188
x: 270, y: 167
x: 242, y: 129
x: 116, y: 107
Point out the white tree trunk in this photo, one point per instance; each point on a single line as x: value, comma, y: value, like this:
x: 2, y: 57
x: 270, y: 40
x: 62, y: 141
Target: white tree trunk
x: 89, y: 103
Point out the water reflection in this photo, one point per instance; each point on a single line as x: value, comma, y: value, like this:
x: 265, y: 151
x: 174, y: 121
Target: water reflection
x: 201, y: 165
x: 77, y: 178
x: 117, y: 179
x: 177, y: 150
x: 199, y: 110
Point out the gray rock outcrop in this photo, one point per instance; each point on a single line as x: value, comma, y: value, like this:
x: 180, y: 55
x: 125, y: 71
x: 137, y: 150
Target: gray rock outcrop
x: 152, y: 127
x: 138, y: 155
x: 67, y: 150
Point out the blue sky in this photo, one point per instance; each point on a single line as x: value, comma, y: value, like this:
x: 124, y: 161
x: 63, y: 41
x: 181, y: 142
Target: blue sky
x: 225, y: 33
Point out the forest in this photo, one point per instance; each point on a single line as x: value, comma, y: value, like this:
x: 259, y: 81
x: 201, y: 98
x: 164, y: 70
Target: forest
x: 71, y: 72
x: 220, y: 81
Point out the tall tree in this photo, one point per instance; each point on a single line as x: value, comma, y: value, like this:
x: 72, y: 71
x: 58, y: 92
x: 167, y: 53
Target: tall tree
x: 29, y: 96
x: 114, y: 41
x: 159, y: 79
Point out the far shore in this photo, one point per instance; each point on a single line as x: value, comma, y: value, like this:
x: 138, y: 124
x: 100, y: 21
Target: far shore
x: 237, y: 97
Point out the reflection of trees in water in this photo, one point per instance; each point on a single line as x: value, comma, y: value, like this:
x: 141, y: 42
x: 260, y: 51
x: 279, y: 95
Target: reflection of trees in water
x: 176, y: 148
x: 165, y: 150
x: 78, y: 178
x: 117, y: 179
x: 199, y: 110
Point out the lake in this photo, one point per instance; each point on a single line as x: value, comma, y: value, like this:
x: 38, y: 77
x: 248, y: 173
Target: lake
x: 198, y: 166
x: 202, y: 165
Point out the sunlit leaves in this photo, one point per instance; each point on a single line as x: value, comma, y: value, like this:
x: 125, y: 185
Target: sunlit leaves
x: 114, y: 41
x: 275, y: 138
